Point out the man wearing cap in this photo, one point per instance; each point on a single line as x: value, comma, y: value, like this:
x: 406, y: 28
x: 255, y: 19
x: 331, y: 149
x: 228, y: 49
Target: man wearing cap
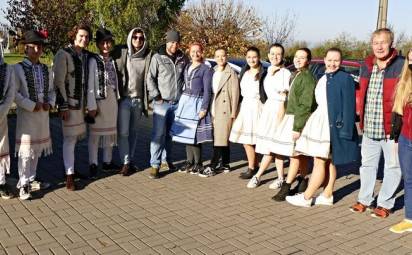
x: 165, y: 84
x: 132, y: 65
x: 7, y: 92
x: 35, y: 95
x: 70, y: 67
x: 102, y: 95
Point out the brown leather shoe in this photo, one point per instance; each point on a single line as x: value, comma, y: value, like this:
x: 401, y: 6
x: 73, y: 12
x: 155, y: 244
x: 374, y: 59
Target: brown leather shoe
x: 125, y: 171
x: 70, y: 182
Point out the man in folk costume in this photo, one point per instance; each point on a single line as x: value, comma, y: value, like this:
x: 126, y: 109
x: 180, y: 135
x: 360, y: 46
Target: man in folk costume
x: 35, y: 95
x: 70, y: 69
x: 102, y: 98
x: 7, y: 92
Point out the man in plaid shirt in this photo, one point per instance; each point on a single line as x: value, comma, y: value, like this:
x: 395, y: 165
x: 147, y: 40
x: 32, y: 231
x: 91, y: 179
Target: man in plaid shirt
x: 379, y: 75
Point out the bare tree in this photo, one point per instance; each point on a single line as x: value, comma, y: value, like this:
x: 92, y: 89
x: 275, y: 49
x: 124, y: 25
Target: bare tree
x: 220, y: 23
x: 279, y: 29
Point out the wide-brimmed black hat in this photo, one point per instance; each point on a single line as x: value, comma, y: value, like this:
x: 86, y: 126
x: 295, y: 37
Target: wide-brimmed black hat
x: 35, y: 37
x: 102, y: 34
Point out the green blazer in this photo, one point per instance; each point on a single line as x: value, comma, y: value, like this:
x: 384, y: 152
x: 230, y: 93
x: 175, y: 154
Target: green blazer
x: 301, y: 100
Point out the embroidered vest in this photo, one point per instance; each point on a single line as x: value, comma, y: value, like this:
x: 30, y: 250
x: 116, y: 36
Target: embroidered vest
x: 80, y: 77
x: 3, y: 89
x: 28, y: 73
x: 101, y: 74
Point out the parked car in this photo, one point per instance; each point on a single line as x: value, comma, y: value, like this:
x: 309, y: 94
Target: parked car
x: 317, y: 67
x: 235, y: 63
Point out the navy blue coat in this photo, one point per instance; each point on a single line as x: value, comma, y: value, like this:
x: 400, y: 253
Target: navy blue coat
x: 340, y: 92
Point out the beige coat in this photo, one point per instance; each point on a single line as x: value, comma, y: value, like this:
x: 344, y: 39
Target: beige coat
x: 226, y: 101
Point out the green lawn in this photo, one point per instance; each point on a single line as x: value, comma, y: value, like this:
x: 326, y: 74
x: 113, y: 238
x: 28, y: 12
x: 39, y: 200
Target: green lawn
x: 13, y: 58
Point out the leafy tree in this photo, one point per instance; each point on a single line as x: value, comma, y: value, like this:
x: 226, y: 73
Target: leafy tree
x: 20, y: 15
x: 220, y: 23
x: 120, y: 17
x: 351, y: 47
x: 57, y: 17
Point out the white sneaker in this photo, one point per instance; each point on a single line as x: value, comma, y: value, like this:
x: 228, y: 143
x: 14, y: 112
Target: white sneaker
x: 322, y: 200
x: 253, y: 182
x: 299, y: 200
x: 276, y: 184
x: 24, y: 193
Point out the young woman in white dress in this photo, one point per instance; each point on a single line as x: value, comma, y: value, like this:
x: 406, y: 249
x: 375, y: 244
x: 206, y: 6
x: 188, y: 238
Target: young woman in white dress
x: 276, y: 85
x: 244, y: 130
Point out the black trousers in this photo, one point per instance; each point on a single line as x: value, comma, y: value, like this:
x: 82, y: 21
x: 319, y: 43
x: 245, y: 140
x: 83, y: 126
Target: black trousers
x: 220, y: 152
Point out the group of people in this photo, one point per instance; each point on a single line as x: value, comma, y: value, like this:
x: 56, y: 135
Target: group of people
x: 272, y: 112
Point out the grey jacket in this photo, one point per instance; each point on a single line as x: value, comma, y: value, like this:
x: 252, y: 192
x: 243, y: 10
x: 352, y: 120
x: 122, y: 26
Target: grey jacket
x: 165, y: 77
x: 121, y: 55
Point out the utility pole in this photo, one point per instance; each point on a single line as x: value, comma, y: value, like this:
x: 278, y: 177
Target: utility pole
x: 382, y: 14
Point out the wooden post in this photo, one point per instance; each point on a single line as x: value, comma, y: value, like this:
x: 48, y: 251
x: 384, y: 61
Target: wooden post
x: 382, y: 14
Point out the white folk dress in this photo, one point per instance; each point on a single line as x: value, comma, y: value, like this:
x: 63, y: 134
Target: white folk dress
x: 274, y: 85
x: 33, y: 132
x: 315, y: 138
x: 244, y: 129
x: 283, y: 138
x: 7, y: 98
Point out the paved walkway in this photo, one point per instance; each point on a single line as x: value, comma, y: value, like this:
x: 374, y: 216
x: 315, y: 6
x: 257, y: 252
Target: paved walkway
x: 185, y: 214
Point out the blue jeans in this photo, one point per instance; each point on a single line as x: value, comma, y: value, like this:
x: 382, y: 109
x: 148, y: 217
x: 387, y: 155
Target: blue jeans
x: 130, y: 112
x: 161, y: 144
x: 405, y: 160
x: 371, y: 153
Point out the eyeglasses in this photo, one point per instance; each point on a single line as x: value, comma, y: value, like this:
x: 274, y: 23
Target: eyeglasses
x: 140, y: 38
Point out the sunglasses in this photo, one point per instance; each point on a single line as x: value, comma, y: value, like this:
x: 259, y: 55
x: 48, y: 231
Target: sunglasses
x: 135, y: 37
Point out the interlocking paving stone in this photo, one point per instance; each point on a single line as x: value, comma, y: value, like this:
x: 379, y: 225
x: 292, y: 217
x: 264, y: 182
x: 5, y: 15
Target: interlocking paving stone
x: 184, y: 214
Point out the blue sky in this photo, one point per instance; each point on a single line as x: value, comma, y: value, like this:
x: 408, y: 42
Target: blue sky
x: 318, y: 20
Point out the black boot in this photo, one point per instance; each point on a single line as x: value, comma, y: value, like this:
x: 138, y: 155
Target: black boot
x: 93, y: 171
x: 248, y: 174
x: 283, y: 192
x: 303, y: 185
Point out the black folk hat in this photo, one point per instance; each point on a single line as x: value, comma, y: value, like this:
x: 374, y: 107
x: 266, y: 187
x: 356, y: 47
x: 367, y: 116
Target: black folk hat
x: 102, y: 34
x: 34, y: 37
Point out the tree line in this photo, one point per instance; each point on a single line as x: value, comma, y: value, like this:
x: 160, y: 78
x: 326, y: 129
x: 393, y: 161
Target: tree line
x: 214, y: 23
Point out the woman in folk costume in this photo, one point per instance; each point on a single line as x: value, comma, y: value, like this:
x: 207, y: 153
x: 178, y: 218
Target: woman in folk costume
x: 7, y: 92
x: 276, y: 86
x: 102, y: 100
x: 330, y: 135
x: 35, y: 95
x: 300, y: 105
x: 245, y: 126
x: 70, y: 69
x: 225, y: 86
x: 192, y: 124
